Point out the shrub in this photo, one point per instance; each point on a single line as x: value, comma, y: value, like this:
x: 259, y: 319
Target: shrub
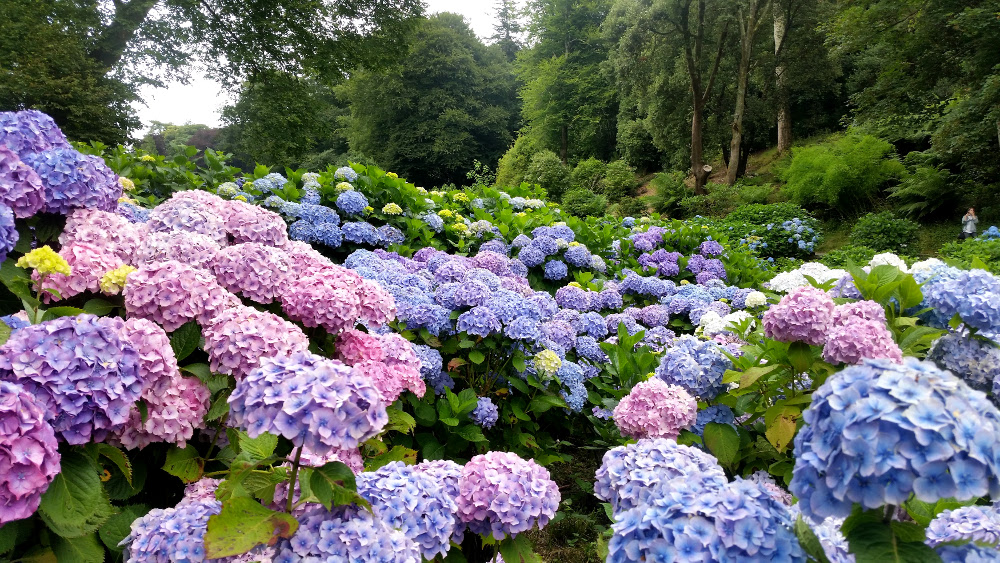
x: 924, y: 191
x: 838, y: 258
x: 885, y: 232
x: 588, y: 174
x: 549, y: 172
x: 668, y: 191
x: 632, y: 207
x: 778, y: 230
x: 964, y: 253
x: 619, y: 181
x: 582, y: 202
x: 513, y: 166
x: 846, y: 174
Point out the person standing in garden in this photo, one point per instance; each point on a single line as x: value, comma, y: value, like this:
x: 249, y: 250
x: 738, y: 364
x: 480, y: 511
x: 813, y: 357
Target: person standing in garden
x: 969, y: 222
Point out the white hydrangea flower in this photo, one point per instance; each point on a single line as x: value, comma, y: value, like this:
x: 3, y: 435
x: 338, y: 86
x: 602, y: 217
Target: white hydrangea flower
x: 890, y: 259
x: 756, y: 299
x: 925, y: 266
x: 787, y: 281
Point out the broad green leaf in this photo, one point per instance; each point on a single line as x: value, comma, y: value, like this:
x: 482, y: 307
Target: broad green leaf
x: 118, y: 457
x: 780, y: 424
x: 4, y: 332
x: 185, y: 339
x: 14, y: 533
x: 397, y: 453
x: 98, y: 307
x: 261, y: 447
x: 518, y: 549
x: 800, y: 355
x: 878, y: 542
x: 449, y: 421
x: 184, y: 463
x: 723, y: 441
x: 119, y: 526
x: 84, y: 549
x: 56, y: 312
x: 471, y: 433
x: 243, y: 524
x: 75, y: 503
x: 750, y: 376
x: 334, y: 485
x: 543, y: 403
x: 400, y: 421
x: 809, y: 542
x: 219, y: 407
x: 476, y: 357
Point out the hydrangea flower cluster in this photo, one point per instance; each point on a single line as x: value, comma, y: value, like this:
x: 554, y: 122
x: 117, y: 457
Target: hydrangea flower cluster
x: 628, y: 474
x: 696, y: 366
x: 501, y: 494
x: 20, y: 187
x: 237, y: 339
x: 980, y: 524
x: 175, y: 405
x: 831, y: 539
x: 72, y: 179
x: 805, y: 314
x: 30, y: 131
x: 485, y: 414
x: 312, y: 401
x: 256, y: 271
x: 967, y: 553
x: 975, y: 360
x: 168, y: 535
x: 877, y: 432
x: 655, y: 409
x: 104, y: 230
x: 171, y: 294
x: 974, y: 295
x: 413, y: 502
x: 80, y: 370
x: 388, y: 361
x: 87, y: 265
x: 347, y: 533
x: 29, y: 453
x: 855, y: 338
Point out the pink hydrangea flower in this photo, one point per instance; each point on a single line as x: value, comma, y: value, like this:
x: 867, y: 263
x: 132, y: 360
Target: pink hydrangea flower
x: 107, y: 231
x: 194, y: 249
x: 805, y: 314
x: 859, y: 339
x: 305, y: 260
x: 210, y: 201
x: 323, y: 299
x: 655, y: 409
x: 175, y: 405
x: 180, y: 214
x: 251, y: 223
x: 29, y: 453
x: 377, y: 305
x: 87, y: 265
x: 355, y: 346
x: 20, y: 187
x: 171, y: 294
x: 238, y: 338
x: 256, y: 271
x: 388, y: 360
x: 869, y: 310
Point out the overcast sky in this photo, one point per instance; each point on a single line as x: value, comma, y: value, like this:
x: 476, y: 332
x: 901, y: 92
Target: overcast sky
x: 202, y: 99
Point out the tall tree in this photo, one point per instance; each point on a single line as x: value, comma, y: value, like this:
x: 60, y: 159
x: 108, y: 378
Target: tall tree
x: 570, y: 103
x: 507, y: 31
x: 750, y: 17
x: 449, y: 102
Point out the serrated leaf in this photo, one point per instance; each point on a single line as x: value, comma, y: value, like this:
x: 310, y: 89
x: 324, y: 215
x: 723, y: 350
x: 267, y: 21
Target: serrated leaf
x: 56, y: 312
x: 334, y: 485
x: 518, y: 549
x: 476, y: 357
x: 258, y: 448
x: 119, y: 526
x: 400, y: 421
x: 13, y: 533
x: 877, y: 542
x: 723, y: 441
x: 220, y: 406
x: 75, y: 503
x: 184, y: 463
x: 809, y: 542
x: 397, y: 453
x: 185, y: 339
x: 84, y: 549
x: 118, y: 457
x: 243, y: 524
x: 471, y: 433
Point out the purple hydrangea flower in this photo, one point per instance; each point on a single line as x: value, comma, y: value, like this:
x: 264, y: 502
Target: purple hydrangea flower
x: 352, y: 202
x: 654, y: 409
x: 501, y: 494
x: 805, y: 314
x: 72, y: 179
x: 975, y: 360
x: 479, y: 321
x: 238, y: 339
x: 980, y: 524
x: 695, y: 365
x: 20, y: 187
x: 485, y: 414
x: 28, y: 452
x: 347, y: 533
x: 30, y: 131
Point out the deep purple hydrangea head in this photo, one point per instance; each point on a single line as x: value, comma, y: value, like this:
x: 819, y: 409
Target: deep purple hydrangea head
x: 29, y: 455
x: 501, y: 494
x: 347, y: 533
x: 877, y: 432
x: 310, y: 400
x: 710, y: 248
x: 30, y: 131
x: 414, y: 502
x: 654, y: 409
x: 72, y: 179
x: 80, y: 370
x: 20, y: 187
x: 805, y: 314
x: 256, y: 271
x: 858, y: 339
x: 171, y: 294
x: 485, y: 414
x: 695, y: 365
x: 237, y: 339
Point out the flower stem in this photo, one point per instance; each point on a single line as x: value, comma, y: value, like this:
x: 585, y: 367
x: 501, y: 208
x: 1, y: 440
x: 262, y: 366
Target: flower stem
x: 291, y: 479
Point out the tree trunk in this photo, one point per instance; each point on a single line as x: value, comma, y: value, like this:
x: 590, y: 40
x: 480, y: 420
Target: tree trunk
x: 748, y: 31
x: 784, y: 112
x: 111, y: 44
x: 697, y: 150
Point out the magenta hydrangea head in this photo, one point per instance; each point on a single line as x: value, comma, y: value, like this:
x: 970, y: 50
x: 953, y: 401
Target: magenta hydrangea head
x: 326, y: 298
x: 107, y: 231
x: 376, y: 305
x: 171, y: 294
x: 805, y: 314
x: 29, y: 453
x: 87, y: 265
x: 237, y: 339
x: 251, y: 223
x: 20, y: 187
x: 256, y: 271
x: 80, y: 370
x: 194, y: 249
x: 869, y: 310
x: 312, y: 401
x: 175, y: 405
x: 858, y: 339
x: 655, y: 409
x: 178, y: 214
x: 501, y: 494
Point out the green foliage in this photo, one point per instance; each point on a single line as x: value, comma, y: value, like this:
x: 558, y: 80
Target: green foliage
x: 513, y: 166
x: 669, y: 190
x: 588, y: 174
x: 719, y: 200
x: 925, y: 190
x: 840, y: 257
x: 549, y: 172
x: 884, y: 232
x: 632, y: 207
x: 964, y: 253
x: 767, y: 229
x: 619, y: 181
x: 582, y: 202
x: 843, y: 175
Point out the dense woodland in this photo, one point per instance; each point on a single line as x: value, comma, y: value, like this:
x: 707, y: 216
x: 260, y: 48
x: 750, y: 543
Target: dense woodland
x: 573, y: 95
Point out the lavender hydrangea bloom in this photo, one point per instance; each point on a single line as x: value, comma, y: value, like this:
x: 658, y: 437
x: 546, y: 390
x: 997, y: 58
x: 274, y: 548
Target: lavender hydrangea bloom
x: 804, y: 314
x: 858, y: 339
x: 412, y: 502
x: 485, y: 414
x: 575, y: 298
x: 695, y: 365
x: 973, y: 294
x: 8, y: 232
x: 20, y: 187
x: 359, y: 232
x: 352, y: 202
x: 28, y: 452
x: 980, y: 524
x: 72, y: 180
x: 718, y: 414
x: 877, y: 432
x: 967, y: 553
x: 168, y: 535
x: 80, y: 370
x: 524, y: 328
x: 171, y: 294
x: 975, y: 360
x: 347, y: 533
x: 494, y: 245
x: 479, y: 321
x: 531, y: 256
x: 30, y: 131
x: 577, y: 255
x: 502, y: 495
x: 388, y: 236
x: 345, y: 173
x: 296, y: 396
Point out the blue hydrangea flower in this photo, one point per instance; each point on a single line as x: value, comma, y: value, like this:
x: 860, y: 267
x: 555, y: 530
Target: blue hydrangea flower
x: 317, y: 214
x: 389, y: 235
x: 571, y: 376
x: 593, y: 324
x: 973, y: 294
x: 878, y: 432
x: 518, y: 268
x: 556, y: 270
x: 347, y: 533
x: 975, y: 360
x: 72, y: 180
x: 479, y: 321
x: 352, y: 202
x: 695, y: 365
x: 310, y: 196
x: 433, y: 221
x: 588, y: 348
x: 980, y: 524
x: 132, y: 213
x: 345, y: 173
x: 720, y: 414
x: 495, y: 245
x: 30, y: 131
x: 520, y: 241
x: 578, y: 256
x: 968, y: 553
x: 485, y: 414
x: 524, y: 328
x: 531, y: 256
x: 171, y: 534
x: 360, y: 232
